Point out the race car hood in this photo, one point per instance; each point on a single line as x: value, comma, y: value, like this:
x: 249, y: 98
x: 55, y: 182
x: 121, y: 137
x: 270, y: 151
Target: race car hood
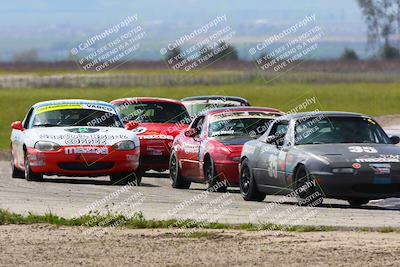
x: 65, y: 136
x: 352, y: 152
x: 159, y: 129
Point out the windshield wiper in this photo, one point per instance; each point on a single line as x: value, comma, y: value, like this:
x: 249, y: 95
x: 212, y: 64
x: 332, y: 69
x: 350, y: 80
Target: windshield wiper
x: 47, y: 125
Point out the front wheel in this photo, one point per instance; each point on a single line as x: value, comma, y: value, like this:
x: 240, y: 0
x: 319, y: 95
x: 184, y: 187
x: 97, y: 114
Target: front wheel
x: 306, y: 188
x: 29, y: 174
x: 213, y: 183
x: 248, y: 186
x: 177, y: 181
x: 15, y: 173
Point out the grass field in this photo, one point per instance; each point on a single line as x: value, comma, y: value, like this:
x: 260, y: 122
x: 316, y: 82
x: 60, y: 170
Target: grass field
x: 369, y: 98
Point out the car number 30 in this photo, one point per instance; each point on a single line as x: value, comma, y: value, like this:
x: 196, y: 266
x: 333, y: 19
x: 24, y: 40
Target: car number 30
x: 361, y: 149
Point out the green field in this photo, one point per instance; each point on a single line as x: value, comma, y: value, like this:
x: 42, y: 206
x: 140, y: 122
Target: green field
x: 369, y: 98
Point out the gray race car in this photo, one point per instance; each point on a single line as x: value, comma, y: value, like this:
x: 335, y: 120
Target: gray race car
x: 322, y: 154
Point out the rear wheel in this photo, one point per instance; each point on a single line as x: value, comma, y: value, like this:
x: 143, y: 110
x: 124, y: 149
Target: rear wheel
x: 177, y: 181
x: 29, y: 174
x: 124, y: 178
x: 213, y: 183
x: 15, y: 173
x: 307, y: 193
x: 357, y: 202
x: 248, y: 186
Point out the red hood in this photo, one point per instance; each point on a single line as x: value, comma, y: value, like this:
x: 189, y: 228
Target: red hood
x: 149, y: 128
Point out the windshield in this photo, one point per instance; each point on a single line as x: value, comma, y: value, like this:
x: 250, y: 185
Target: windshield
x: 163, y: 112
x: 195, y: 107
x: 240, y: 125
x: 328, y: 130
x: 76, y: 117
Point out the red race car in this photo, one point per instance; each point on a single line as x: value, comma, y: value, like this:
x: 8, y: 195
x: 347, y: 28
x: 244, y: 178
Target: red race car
x: 209, y: 150
x: 156, y: 122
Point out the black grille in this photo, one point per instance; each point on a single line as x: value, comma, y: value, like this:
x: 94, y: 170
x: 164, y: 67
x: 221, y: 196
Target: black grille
x: 85, y: 166
x: 377, y: 188
x: 155, y: 159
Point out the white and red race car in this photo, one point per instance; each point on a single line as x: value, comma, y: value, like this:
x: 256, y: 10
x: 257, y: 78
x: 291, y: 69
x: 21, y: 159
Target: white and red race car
x: 74, y: 138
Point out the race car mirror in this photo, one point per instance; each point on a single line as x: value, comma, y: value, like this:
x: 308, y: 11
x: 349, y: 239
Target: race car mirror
x: 17, y: 125
x: 190, y: 132
x: 130, y: 125
x: 395, y: 139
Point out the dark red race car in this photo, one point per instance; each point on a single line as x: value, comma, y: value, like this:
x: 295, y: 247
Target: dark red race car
x: 209, y: 150
x: 156, y: 122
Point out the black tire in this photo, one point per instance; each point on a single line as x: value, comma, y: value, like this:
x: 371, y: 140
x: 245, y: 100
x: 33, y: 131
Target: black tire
x: 28, y: 174
x: 357, y: 202
x: 248, y: 186
x: 211, y: 177
x: 176, y: 179
x: 310, y: 196
x: 15, y: 173
x: 125, y: 178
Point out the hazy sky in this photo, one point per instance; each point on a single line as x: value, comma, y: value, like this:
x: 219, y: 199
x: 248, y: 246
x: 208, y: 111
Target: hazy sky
x: 50, y: 24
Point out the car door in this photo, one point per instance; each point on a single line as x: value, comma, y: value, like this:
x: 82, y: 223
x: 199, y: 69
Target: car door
x: 272, y: 155
x: 191, y: 148
x: 18, y: 140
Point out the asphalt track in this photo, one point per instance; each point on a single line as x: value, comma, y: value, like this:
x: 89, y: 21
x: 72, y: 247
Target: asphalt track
x: 69, y: 197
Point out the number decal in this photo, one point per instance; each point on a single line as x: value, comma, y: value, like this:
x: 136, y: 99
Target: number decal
x: 361, y: 149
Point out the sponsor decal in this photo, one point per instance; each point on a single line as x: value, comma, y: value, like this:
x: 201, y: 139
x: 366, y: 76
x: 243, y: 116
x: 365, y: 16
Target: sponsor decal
x: 57, y: 107
x: 159, y: 136
x: 272, y: 167
x: 139, y: 130
x: 86, y: 150
x: 75, y: 106
x: 356, y: 165
x: 380, y: 168
x: 99, y: 107
x: 82, y: 130
x: 377, y: 159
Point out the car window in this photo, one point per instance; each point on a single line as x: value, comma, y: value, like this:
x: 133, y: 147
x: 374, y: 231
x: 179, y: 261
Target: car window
x: 27, y: 119
x: 75, y: 117
x: 279, y: 130
x: 198, y: 124
x: 324, y: 130
x: 157, y: 112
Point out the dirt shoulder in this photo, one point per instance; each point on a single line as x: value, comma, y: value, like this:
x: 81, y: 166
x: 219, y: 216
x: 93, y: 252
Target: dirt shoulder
x: 51, y: 245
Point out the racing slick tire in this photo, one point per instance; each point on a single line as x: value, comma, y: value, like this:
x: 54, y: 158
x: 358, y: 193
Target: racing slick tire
x: 357, y: 202
x: 177, y: 181
x: 15, y: 173
x: 248, y: 186
x: 308, y: 194
x: 213, y: 183
x: 28, y: 174
x: 125, y: 178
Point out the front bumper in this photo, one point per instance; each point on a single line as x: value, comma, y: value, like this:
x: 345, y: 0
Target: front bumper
x: 229, y: 171
x: 155, y: 154
x: 65, y: 162
x: 348, y: 186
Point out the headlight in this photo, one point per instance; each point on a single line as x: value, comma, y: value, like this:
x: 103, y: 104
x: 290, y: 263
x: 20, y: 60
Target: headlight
x: 46, y: 146
x: 343, y: 170
x: 124, y: 145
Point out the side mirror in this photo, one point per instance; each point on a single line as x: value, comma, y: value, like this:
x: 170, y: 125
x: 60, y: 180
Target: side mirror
x: 395, y: 139
x: 130, y: 125
x: 190, y: 132
x: 17, y: 125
